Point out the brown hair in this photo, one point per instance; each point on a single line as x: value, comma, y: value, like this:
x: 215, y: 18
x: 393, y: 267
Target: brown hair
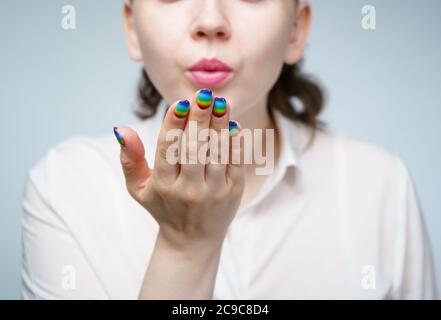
x: 292, y: 83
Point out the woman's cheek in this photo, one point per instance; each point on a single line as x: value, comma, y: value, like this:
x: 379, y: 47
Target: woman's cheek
x: 264, y: 60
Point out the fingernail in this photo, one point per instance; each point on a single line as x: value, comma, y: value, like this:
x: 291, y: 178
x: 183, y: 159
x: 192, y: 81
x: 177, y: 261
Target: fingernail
x: 205, y: 97
x: 182, y: 108
x: 119, y: 137
x: 234, y: 127
x: 219, y: 107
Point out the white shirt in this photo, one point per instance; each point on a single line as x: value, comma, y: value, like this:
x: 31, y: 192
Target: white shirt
x: 340, y: 220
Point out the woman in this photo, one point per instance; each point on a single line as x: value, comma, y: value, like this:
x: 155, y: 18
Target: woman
x: 336, y: 217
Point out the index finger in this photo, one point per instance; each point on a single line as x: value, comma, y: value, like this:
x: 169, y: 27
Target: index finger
x: 169, y: 140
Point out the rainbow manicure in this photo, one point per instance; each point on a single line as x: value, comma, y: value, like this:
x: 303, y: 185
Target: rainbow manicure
x: 205, y: 96
x: 234, y: 127
x: 219, y: 107
x: 182, y: 108
x: 119, y: 137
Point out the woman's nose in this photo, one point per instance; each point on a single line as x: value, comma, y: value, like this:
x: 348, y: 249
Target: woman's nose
x: 210, y: 21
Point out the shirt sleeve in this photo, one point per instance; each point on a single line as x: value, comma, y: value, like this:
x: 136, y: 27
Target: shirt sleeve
x: 53, y: 264
x: 414, y: 276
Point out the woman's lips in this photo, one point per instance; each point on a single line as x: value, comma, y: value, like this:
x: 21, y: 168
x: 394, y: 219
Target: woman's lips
x: 209, y: 78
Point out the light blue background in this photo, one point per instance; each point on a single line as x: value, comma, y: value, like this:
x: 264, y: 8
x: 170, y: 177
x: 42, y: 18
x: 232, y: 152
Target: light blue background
x: 382, y: 85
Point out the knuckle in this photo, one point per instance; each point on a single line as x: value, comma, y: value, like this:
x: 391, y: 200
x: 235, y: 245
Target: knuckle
x: 221, y: 157
x: 237, y: 188
x: 222, y: 152
x: 221, y: 195
x: 191, y: 196
x: 162, y: 150
x: 192, y: 155
x: 199, y: 116
x: 237, y: 185
x: 169, y: 143
x: 126, y: 162
x: 162, y: 189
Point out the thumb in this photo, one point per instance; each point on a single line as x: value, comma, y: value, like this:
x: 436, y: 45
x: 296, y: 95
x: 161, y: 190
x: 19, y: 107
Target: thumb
x: 132, y: 157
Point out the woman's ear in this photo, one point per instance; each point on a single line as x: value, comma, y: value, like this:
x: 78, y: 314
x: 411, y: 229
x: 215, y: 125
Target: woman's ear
x: 299, y: 33
x: 130, y: 30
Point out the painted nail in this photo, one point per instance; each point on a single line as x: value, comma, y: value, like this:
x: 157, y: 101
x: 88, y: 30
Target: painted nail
x: 219, y: 107
x: 182, y: 108
x: 119, y: 137
x: 234, y: 127
x: 205, y: 97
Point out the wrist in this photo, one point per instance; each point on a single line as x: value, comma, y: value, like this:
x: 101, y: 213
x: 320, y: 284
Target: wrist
x: 185, y: 244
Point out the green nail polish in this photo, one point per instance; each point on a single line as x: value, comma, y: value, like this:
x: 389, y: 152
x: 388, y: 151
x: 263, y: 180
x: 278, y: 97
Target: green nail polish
x: 119, y: 137
x: 219, y: 107
x: 234, y: 127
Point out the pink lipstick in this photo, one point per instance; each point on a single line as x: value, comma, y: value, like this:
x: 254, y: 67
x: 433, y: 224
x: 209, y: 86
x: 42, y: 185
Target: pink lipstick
x: 209, y: 72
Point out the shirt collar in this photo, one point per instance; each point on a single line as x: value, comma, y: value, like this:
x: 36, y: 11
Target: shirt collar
x: 288, y: 130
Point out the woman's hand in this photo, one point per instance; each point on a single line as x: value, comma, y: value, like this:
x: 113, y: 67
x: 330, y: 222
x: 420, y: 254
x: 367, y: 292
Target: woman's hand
x: 190, y: 202
x: 193, y: 203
